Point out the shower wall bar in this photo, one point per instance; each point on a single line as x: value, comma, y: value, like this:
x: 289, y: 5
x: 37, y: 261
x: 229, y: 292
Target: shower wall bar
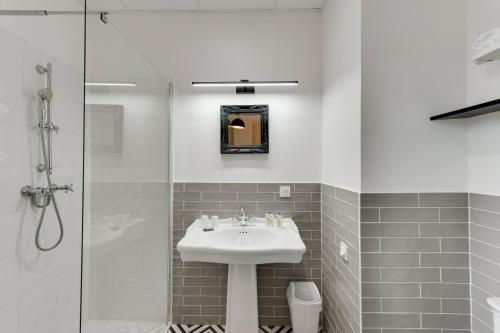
x: 42, y: 197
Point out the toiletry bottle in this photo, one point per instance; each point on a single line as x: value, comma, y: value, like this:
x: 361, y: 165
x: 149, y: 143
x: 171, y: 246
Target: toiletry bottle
x: 279, y: 220
x: 269, y: 219
x: 214, y: 221
x: 204, y: 222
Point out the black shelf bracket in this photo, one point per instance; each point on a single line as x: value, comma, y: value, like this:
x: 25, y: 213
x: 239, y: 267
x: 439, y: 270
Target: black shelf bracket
x: 471, y: 111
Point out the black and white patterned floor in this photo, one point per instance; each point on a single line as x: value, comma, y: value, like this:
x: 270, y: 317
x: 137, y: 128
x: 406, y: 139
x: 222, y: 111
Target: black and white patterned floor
x: 220, y: 329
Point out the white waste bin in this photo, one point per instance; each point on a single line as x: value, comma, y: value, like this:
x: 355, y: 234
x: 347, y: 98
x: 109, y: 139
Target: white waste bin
x: 305, y: 306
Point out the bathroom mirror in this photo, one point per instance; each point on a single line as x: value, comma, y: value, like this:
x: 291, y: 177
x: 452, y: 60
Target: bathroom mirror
x: 244, y: 129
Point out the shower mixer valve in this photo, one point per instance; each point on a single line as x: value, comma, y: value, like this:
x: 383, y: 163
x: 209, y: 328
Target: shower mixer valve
x: 27, y: 191
x: 50, y: 127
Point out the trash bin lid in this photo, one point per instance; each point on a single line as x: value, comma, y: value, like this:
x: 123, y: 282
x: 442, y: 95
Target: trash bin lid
x: 306, y: 291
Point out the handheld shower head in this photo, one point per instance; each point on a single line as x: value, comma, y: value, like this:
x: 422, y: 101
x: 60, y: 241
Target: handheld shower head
x: 46, y: 94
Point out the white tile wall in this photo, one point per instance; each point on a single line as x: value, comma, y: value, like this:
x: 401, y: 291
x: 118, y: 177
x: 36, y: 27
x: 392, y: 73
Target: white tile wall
x: 39, y: 292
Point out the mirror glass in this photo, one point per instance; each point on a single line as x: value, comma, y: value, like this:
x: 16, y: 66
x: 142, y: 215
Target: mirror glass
x: 247, y: 135
x: 244, y: 129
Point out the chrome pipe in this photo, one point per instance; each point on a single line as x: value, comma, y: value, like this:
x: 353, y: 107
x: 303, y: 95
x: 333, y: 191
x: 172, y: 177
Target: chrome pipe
x: 49, y: 116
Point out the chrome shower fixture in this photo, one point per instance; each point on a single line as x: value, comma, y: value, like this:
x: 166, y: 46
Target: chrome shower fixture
x: 43, y: 196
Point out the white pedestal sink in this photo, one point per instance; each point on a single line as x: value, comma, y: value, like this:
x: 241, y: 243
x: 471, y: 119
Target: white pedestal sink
x: 242, y: 247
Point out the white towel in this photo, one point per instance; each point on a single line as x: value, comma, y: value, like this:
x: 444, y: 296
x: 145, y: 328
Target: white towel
x: 486, y: 41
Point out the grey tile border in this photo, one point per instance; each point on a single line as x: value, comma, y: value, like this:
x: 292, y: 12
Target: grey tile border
x: 410, y: 274
x: 391, y: 320
x: 219, y: 196
x: 238, y: 187
x: 484, y: 260
x: 307, y: 187
x: 389, y: 200
x: 273, y: 187
x: 255, y: 196
x: 445, y: 290
x: 443, y: 200
x: 409, y: 215
x: 408, y: 227
x: 454, y: 214
x: 419, y: 241
x: 452, y: 321
x: 389, y: 260
x: 444, y: 230
x: 456, y: 306
x: 410, y: 244
x: 348, y: 196
x: 200, y: 288
x: 389, y: 229
x: 485, y: 202
x: 341, y: 281
x: 370, y: 215
x: 417, y: 305
x: 202, y: 187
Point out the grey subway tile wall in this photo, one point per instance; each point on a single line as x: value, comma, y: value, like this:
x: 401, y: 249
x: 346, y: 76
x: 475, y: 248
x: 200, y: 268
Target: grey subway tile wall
x: 484, y: 258
x: 415, y: 262
x: 341, y: 287
x: 417, y: 272
x: 199, y: 289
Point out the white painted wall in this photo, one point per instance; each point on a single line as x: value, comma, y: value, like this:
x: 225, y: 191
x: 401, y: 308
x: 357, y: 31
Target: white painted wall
x: 341, y: 101
x: 413, y: 67
x: 255, y: 46
x: 39, y: 291
x: 483, y: 85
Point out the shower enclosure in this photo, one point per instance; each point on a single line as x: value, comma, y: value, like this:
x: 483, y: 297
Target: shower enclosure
x: 86, y: 207
x: 127, y: 181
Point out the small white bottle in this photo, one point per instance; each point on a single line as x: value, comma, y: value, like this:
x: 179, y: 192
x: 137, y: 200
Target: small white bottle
x: 204, y: 222
x: 214, y: 221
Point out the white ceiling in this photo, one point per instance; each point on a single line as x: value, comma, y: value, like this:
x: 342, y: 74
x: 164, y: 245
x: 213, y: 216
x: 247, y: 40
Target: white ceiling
x: 203, y: 4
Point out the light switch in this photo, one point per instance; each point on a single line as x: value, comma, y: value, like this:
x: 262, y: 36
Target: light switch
x: 285, y: 192
x: 343, y: 251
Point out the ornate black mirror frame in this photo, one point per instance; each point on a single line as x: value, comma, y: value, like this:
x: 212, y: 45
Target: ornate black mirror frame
x: 226, y: 110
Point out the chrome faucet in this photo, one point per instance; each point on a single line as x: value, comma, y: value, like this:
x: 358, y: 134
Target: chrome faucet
x: 242, y: 218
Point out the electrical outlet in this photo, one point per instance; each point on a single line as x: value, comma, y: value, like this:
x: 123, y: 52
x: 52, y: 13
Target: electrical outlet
x: 285, y: 192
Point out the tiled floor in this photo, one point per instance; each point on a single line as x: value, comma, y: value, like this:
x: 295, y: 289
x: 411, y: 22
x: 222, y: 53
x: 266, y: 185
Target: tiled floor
x: 220, y: 329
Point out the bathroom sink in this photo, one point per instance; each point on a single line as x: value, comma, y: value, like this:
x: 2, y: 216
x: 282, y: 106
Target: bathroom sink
x: 244, y: 245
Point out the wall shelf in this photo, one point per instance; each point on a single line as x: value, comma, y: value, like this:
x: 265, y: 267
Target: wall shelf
x: 471, y: 111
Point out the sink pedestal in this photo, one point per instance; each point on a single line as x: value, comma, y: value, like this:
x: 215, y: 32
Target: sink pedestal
x: 241, y: 313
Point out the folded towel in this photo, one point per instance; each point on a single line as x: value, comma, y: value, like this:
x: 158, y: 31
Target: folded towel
x: 486, y: 40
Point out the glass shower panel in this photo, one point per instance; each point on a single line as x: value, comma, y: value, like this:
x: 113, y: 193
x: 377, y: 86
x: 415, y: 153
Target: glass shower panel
x: 40, y: 289
x: 127, y: 180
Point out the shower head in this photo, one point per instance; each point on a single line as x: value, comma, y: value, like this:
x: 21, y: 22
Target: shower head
x: 46, y: 94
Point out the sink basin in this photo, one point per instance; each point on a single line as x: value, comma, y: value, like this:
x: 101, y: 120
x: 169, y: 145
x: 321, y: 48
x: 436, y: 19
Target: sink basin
x: 249, y: 245
x: 242, y: 247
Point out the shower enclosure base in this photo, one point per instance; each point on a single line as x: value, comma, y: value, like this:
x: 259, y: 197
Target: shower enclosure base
x: 120, y: 326
x: 241, y: 313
